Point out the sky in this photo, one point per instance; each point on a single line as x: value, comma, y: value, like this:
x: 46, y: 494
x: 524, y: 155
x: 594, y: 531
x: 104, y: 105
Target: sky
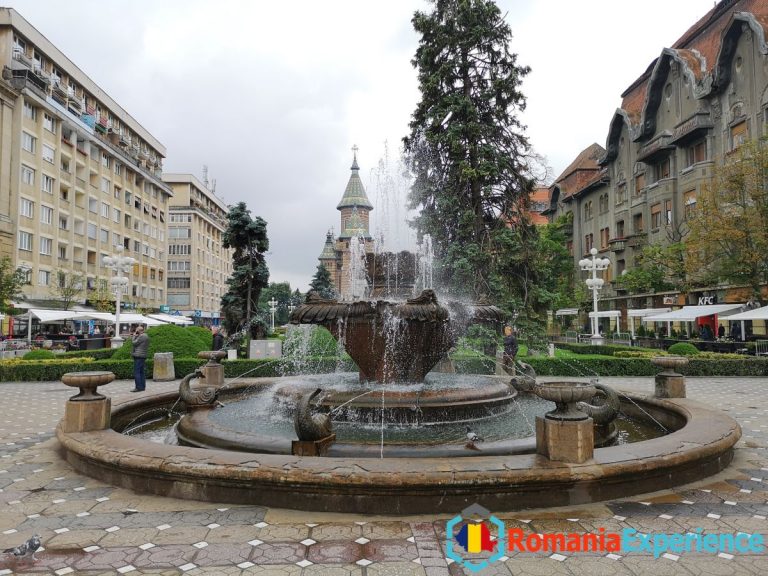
x: 271, y: 96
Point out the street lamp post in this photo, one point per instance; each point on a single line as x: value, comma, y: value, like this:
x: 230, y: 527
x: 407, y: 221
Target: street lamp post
x: 272, y: 307
x: 595, y: 284
x: 119, y: 264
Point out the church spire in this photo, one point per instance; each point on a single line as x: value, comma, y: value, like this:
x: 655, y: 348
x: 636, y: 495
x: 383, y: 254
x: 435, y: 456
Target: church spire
x: 354, y: 195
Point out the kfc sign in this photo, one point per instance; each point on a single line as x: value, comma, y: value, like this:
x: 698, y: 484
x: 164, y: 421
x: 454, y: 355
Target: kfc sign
x: 707, y: 300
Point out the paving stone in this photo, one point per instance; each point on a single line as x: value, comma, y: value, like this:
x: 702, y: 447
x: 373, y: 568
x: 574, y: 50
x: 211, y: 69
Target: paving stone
x: 331, y: 552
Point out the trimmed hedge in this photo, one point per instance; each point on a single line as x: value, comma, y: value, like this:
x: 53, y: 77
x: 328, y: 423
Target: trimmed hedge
x: 588, y: 367
x: 39, y: 354
x: 683, y: 349
x: 98, y: 354
x: 183, y: 342
x: 603, y: 349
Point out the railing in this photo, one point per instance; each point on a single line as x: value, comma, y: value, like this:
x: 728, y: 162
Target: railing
x: 761, y: 347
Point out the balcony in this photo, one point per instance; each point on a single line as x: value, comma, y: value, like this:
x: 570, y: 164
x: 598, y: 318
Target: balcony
x: 656, y: 148
x: 692, y: 127
x: 24, y: 78
x: 637, y: 240
x: 617, y: 244
x: 21, y: 58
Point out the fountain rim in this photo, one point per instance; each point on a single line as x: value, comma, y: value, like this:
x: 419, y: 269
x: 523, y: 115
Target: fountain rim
x: 369, y: 486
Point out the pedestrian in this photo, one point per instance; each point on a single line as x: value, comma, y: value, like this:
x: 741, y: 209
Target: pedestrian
x: 218, y: 339
x: 140, y: 343
x: 510, y: 350
x: 735, y: 332
x: 721, y: 332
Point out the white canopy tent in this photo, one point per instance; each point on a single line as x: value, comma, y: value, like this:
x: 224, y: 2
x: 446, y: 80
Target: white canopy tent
x: 171, y: 319
x: 754, y: 314
x: 643, y: 312
x: 138, y: 319
x: 692, y: 313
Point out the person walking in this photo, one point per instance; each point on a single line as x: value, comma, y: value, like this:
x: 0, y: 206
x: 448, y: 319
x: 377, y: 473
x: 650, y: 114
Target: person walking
x: 218, y: 339
x: 140, y: 343
x: 510, y: 350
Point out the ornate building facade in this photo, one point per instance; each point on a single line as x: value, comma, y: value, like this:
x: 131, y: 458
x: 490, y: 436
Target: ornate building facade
x: 355, y: 208
x: 693, y: 106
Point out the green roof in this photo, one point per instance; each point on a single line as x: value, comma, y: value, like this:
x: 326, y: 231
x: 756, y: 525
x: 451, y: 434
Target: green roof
x: 355, y: 194
x: 329, y: 252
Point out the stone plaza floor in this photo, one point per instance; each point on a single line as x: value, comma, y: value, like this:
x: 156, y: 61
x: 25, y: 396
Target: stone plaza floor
x: 88, y: 527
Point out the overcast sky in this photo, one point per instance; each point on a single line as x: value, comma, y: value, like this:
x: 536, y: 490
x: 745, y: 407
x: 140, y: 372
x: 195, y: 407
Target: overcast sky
x: 271, y: 96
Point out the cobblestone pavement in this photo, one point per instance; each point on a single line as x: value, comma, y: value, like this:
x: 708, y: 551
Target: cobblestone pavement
x: 88, y: 527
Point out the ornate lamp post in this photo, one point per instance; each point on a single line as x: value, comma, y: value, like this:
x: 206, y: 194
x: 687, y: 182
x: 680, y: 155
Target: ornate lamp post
x: 595, y: 284
x: 119, y: 282
x: 272, y: 307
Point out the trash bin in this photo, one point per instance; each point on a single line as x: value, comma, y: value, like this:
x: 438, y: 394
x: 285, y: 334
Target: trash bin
x: 163, y: 370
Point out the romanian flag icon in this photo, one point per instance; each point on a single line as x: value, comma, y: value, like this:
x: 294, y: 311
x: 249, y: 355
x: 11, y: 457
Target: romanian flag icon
x: 475, y: 538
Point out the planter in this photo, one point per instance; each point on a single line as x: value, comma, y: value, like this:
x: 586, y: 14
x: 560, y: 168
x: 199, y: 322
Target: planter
x: 565, y: 395
x: 87, y: 382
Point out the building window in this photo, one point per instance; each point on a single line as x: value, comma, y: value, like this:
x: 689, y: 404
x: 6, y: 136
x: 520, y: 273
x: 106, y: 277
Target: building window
x: 30, y: 111
x: 589, y: 243
x: 104, y: 210
x: 27, y: 208
x: 28, y: 142
x: 92, y: 231
x: 93, y: 205
x: 738, y: 134
x: 180, y: 249
x: 46, y: 214
x: 621, y: 265
x: 43, y: 277
x: 79, y: 227
x: 117, y: 192
x: 637, y: 224
x: 656, y: 216
x: 47, y: 184
x: 46, y: 246
x: 25, y: 241
x: 620, y: 229
x: 63, y: 223
x: 118, y: 168
x: 104, y: 236
x: 668, y: 212
x: 49, y: 123
x: 689, y: 203
x: 105, y: 160
x: 621, y: 193
x: 603, y: 203
x: 695, y: 153
x: 605, y: 234
x: 179, y: 266
x: 639, y: 184
x: 105, y: 185
x: 186, y: 232
x: 49, y: 153
x: 116, y: 215
x: 661, y: 169
x: 178, y: 283
x: 27, y: 175
x: 62, y: 251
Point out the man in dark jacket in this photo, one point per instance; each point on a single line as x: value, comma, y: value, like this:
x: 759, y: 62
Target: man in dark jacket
x: 510, y: 350
x: 140, y: 350
x: 218, y: 339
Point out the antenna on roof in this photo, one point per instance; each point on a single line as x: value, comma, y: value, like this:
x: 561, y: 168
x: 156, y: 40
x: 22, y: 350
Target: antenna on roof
x: 205, y: 175
x: 213, y: 185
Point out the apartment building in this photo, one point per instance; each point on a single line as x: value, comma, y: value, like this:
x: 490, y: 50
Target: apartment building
x: 79, y: 176
x: 694, y: 105
x: 198, y: 264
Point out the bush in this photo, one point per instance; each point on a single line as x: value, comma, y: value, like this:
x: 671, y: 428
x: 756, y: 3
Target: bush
x: 100, y: 354
x: 183, y: 342
x: 587, y: 367
x: 638, y: 353
x: 39, y: 355
x: 603, y: 350
x: 203, y: 335
x: 683, y: 349
x: 314, y: 341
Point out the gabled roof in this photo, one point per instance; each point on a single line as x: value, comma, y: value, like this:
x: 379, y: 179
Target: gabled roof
x: 586, y: 160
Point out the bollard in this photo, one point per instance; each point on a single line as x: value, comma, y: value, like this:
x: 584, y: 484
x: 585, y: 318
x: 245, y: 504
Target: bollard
x: 163, y: 370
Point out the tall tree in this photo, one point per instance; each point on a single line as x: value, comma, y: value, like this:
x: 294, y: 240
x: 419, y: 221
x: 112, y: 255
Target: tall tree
x: 67, y: 289
x: 322, y: 283
x: 281, y: 292
x: 247, y: 236
x: 11, y: 281
x: 467, y: 150
x: 728, y: 238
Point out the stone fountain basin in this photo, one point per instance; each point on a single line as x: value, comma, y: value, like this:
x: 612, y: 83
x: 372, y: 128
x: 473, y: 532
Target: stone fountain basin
x: 702, y: 446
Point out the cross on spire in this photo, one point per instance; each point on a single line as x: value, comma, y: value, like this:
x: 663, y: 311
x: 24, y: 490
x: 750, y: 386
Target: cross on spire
x: 354, y: 158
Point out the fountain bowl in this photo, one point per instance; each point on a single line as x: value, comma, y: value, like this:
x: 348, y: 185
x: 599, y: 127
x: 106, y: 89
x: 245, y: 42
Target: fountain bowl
x: 565, y: 395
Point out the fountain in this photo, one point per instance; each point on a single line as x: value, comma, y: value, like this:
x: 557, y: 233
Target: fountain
x: 392, y: 437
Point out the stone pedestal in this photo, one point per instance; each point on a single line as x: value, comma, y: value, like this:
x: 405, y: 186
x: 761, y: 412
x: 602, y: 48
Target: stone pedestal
x: 87, y: 416
x: 571, y: 441
x: 670, y: 385
x: 312, y: 447
x: 162, y: 368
